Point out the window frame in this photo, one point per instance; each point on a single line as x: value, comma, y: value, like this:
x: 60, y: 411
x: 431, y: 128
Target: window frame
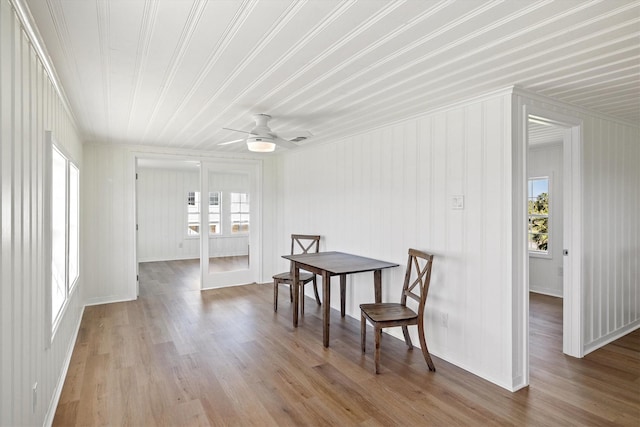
x: 53, y: 320
x: 219, y: 213
x: 198, y: 201
x: 533, y: 252
x: 241, y: 213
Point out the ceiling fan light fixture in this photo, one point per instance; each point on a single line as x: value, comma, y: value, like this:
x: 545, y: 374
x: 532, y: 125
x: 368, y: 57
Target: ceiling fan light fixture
x: 260, y: 145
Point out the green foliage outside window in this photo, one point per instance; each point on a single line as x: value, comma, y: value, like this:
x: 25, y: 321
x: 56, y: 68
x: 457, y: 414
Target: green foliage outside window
x: 539, y: 215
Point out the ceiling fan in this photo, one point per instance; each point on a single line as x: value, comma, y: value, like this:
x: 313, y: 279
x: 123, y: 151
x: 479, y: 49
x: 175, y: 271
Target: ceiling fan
x: 262, y: 139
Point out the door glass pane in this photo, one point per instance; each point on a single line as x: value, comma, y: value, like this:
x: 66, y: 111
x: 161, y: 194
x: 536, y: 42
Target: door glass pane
x: 228, y: 222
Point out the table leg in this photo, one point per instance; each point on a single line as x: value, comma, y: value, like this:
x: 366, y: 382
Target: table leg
x: 295, y: 272
x: 343, y: 292
x: 377, y: 285
x: 326, y: 306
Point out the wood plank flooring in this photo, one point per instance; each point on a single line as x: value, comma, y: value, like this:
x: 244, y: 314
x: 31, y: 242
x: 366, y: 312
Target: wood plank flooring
x: 178, y: 356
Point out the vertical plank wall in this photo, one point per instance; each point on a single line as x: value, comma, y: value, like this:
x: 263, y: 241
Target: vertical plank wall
x: 162, y: 214
x: 611, y: 235
x: 29, y: 105
x: 380, y: 193
x: 109, y: 235
x: 109, y: 200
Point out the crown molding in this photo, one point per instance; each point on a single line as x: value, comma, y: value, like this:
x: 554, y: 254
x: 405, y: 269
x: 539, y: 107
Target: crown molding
x: 26, y: 20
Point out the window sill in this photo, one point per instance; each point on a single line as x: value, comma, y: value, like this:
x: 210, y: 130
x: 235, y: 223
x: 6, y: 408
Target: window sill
x: 540, y: 255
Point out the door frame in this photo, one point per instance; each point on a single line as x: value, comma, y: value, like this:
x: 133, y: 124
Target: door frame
x: 572, y: 236
x: 256, y: 249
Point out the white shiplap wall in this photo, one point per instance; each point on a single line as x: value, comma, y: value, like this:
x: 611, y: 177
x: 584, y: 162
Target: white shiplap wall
x: 382, y: 192
x: 29, y: 106
x: 162, y: 214
x: 610, y: 231
x: 109, y: 196
x: 161, y: 195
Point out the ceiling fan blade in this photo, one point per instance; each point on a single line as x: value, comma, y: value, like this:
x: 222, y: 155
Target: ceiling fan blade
x: 231, y: 142
x: 238, y: 130
x: 296, y: 135
x: 284, y: 143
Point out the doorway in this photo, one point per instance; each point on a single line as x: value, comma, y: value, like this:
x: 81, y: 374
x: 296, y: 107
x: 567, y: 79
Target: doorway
x: 545, y: 239
x: 571, y: 129
x: 207, y: 212
x: 164, y: 232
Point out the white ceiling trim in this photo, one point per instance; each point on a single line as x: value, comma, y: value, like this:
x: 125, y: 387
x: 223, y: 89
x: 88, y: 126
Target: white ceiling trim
x: 26, y: 20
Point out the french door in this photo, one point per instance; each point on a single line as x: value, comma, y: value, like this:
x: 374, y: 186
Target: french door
x: 230, y: 209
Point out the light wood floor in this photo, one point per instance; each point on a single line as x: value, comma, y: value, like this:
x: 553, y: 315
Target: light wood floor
x: 178, y: 356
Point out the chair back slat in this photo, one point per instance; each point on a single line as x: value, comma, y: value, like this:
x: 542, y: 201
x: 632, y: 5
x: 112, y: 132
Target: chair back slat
x: 413, y: 296
x: 304, y: 243
x: 419, y: 266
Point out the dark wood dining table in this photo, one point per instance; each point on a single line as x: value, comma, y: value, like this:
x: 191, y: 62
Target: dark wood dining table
x: 329, y: 264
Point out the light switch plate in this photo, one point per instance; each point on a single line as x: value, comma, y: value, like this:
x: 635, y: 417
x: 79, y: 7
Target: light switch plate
x: 457, y: 202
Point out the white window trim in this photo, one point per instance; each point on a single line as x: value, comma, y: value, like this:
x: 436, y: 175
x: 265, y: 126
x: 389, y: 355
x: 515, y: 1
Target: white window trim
x: 51, y: 325
x: 186, y: 217
x: 220, y: 224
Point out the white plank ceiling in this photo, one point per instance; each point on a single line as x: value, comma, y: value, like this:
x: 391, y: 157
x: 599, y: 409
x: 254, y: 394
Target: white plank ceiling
x: 173, y: 73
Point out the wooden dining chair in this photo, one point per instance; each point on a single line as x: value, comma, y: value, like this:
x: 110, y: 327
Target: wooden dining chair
x: 300, y: 244
x: 386, y: 315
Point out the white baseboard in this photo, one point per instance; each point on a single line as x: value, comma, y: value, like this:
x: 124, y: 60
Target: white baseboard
x: 108, y: 300
x: 549, y: 292
x: 609, y: 338
x: 57, y: 392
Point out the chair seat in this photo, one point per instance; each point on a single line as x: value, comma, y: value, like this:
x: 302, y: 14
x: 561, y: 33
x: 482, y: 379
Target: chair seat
x: 304, y: 277
x: 387, y: 311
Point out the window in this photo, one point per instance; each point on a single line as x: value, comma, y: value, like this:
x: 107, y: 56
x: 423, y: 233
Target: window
x: 239, y: 213
x: 214, y: 213
x: 538, y: 207
x: 193, y: 213
x: 65, y: 186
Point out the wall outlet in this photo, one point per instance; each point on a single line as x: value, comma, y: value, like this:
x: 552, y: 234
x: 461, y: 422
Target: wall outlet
x: 444, y: 320
x: 560, y: 271
x: 34, y: 398
x: 180, y: 245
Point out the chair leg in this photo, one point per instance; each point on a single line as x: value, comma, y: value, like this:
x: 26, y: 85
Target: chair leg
x: 407, y: 338
x: 275, y: 295
x: 376, y: 354
x: 363, y: 333
x: 301, y: 298
x: 315, y: 289
x: 423, y: 346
